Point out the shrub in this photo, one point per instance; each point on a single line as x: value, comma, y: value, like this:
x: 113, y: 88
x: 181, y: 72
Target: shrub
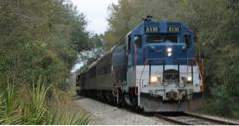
x: 32, y: 108
x: 221, y: 102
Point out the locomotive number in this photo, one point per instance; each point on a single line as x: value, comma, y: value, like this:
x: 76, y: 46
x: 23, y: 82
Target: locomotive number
x: 173, y: 29
x: 151, y: 29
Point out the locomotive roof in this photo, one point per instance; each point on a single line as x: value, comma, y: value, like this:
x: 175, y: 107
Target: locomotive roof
x: 162, y: 24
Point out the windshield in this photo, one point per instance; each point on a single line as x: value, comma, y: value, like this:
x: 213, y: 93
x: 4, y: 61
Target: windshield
x: 162, y: 38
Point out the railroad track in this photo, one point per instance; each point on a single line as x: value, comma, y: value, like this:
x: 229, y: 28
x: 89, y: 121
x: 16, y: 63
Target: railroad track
x: 195, y: 119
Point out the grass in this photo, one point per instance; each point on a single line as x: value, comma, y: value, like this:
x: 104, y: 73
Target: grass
x: 31, y: 105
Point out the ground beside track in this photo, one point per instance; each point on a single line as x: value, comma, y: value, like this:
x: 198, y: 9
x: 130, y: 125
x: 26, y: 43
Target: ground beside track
x: 105, y: 114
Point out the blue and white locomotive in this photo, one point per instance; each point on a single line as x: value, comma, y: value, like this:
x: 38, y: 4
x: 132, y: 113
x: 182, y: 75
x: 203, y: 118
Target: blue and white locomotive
x: 155, y: 68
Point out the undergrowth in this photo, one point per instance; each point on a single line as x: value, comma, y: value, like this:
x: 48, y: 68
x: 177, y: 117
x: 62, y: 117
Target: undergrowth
x: 221, y: 103
x: 31, y: 105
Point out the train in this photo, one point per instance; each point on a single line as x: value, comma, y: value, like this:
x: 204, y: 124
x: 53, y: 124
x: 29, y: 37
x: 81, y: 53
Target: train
x: 155, y: 68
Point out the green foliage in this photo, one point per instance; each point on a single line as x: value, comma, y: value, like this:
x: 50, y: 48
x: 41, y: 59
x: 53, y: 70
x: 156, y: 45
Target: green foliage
x: 31, y: 107
x: 223, y: 98
x: 215, y: 23
x: 38, y: 39
x: 9, y: 109
x: 36, y: 110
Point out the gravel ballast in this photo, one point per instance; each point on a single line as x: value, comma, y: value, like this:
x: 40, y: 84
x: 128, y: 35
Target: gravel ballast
x: 105, y: 114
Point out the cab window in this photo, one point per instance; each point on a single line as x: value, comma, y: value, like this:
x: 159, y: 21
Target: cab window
x: 187, y: 40
x: 160, y: 38
x: 138, y: 41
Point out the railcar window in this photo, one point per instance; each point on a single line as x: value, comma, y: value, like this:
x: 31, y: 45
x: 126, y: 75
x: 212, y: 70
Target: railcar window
x: 78, y: 78
x: 129, y: 39
x: 162, y: 38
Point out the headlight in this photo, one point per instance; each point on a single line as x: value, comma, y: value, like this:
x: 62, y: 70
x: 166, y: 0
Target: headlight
x: 169, y: 51
x: 169, y: 54
x: 154, y: 79
x: 189, y: 79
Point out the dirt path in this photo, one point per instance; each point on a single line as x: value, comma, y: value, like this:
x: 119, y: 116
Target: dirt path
x: 104, y: 114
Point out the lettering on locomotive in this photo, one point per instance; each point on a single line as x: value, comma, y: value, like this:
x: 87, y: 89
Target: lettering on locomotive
x: 151, y: 29
x: 174, y: 28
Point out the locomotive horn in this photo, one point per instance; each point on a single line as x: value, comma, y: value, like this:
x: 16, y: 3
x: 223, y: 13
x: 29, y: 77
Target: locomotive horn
x: 148, y: 18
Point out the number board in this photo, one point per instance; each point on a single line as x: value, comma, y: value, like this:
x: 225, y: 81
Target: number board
x: 151, y: 29
x: 174, y: 28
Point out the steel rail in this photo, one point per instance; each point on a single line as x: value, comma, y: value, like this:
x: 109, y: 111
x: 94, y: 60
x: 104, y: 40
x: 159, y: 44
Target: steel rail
x: 195, y: 119
x: 213, y: 119
x: 171, y: 120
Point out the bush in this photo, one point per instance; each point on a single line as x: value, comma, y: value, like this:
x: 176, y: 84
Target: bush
x: 32, y: 108
x: 221, y: 102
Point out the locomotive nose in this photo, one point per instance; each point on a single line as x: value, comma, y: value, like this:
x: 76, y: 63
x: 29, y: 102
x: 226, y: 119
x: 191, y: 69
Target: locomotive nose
x: 172, y: 95
x: 175, y: 95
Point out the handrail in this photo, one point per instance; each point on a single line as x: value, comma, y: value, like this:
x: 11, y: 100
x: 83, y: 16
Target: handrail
x: 190, y: 60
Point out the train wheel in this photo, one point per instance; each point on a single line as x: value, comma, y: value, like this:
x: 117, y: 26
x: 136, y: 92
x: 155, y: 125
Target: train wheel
x: 121, y: 102
x: 118, y: 96
x: 139, y: 109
